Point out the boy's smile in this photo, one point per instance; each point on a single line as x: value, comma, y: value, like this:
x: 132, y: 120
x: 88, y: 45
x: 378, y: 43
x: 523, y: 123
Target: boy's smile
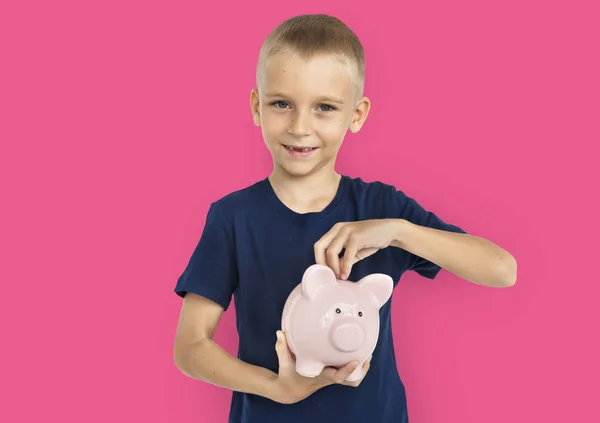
x: 305, y: 106
x: 299, y: 151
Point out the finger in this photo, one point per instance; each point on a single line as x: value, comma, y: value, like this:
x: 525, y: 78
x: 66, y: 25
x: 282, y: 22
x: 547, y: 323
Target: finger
x: 366, y: 366
x: 322, y: 244
x: 365, y: 369
x: 350, y: 256
x: 353, y: 384
x: 284, y: 354
x: 340, y: 375
x: 335, y: 248
x: 366, y: 252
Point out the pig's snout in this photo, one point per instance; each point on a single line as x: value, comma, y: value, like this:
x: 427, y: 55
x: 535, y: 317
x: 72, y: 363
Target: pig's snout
x: 348, y: 336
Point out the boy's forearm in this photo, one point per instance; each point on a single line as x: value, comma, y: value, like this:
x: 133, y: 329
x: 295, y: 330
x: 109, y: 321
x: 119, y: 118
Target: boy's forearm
x: 209, y: 362
x: 472, y: 258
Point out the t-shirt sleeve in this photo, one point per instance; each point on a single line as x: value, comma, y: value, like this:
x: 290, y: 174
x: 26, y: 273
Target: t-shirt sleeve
x: 412, y: 211
x: 212, y: 270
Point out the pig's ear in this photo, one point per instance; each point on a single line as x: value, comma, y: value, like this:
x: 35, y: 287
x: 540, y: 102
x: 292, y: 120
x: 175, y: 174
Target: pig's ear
x: 316, y: 277
x: 379, y: 285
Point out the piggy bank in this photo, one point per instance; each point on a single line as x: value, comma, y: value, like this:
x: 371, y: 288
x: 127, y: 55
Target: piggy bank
x: 330, y: 322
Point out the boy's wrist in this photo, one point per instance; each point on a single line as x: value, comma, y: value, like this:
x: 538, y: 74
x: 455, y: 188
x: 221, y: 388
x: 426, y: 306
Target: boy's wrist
x: 273, y: 389
x: 268, y: 387
x: 400, y: 229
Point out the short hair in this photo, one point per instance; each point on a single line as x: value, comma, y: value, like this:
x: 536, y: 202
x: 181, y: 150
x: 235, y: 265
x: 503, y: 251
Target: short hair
x: 310, y: 35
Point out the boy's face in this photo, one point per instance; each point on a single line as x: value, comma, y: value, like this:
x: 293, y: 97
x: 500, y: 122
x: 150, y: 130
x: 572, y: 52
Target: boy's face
x: 305, y: 108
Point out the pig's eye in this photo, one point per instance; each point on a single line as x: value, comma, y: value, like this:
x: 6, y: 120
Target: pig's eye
x: 338, y: 311
x: 360, y: 314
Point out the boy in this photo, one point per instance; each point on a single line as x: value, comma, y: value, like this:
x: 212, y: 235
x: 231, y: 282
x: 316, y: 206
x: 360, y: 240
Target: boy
x: 257, y: 242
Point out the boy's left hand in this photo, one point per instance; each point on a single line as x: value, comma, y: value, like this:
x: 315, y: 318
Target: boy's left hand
x: 359, y: 239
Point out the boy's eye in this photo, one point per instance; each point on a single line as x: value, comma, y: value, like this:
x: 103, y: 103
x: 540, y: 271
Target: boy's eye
x: 326, y: 108
x: 280, y: 104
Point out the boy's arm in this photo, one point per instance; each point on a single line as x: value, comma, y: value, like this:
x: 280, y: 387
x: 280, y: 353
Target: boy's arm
x: 472, y: 258
x: 199, y: 357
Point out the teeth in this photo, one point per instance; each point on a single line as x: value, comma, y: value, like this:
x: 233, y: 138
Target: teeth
x: 303, y: 150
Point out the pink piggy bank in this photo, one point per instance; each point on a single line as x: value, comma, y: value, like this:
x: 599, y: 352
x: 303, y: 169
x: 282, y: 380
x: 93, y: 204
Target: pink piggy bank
x: 330, y: 322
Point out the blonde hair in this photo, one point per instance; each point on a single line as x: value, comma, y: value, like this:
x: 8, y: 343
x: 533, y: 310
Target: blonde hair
x: 310, y: 35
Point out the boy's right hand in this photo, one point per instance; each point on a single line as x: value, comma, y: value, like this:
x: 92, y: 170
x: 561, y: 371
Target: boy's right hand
x: 291, y: 387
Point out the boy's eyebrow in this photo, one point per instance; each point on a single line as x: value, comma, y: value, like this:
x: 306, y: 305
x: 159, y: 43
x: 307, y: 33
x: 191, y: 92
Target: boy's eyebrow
x: 325, y: 99
x: 331, y: 100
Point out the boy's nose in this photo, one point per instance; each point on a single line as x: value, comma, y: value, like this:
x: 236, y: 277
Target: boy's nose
x: 301, y: 125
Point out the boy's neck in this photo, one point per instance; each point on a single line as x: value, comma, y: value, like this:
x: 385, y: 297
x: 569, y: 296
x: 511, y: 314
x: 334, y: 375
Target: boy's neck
x: 305, y: 194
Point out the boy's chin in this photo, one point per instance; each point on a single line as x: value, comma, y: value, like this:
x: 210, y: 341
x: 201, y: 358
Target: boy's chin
x: 298, y: 170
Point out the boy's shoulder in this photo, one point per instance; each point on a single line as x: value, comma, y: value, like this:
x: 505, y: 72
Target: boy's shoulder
x: 377, y: 198
x: 239, y: 196
x: 241, y: 200
x: 370, y: 188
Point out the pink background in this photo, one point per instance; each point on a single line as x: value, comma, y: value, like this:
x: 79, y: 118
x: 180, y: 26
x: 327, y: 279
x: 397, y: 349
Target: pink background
x: 121, y: 120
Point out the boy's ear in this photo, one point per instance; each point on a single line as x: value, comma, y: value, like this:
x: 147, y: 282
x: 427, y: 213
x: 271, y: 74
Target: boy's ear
x: 255, y: 106
x: 361, y: 111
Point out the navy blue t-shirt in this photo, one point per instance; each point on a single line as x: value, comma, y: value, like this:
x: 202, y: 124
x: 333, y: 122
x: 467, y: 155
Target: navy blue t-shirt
x: 256, y: 249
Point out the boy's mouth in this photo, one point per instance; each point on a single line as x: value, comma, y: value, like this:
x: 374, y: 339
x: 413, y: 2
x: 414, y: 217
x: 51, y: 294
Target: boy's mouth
x: 299, y: 149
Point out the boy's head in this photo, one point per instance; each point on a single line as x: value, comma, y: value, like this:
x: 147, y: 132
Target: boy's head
x: 310, y: 79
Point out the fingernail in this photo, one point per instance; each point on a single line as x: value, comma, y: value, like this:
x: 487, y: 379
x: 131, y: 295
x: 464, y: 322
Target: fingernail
x: 278, y: 335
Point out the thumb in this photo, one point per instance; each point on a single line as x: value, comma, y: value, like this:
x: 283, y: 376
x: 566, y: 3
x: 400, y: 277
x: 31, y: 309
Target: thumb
x: 283, y: 352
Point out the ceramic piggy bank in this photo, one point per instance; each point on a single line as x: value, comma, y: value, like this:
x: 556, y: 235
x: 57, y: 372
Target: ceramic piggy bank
x: 330, y: 322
